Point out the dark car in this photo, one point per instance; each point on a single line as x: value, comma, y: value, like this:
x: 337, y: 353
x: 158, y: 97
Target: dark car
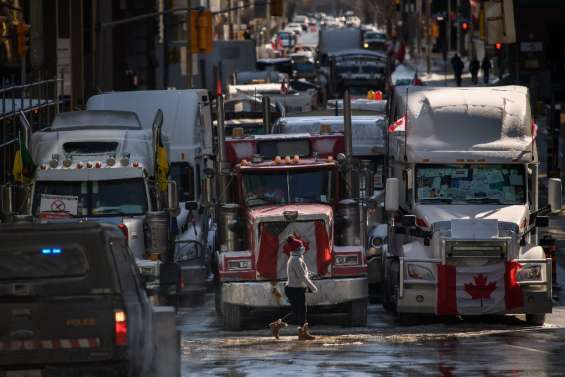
x: 374, y: 40
x: 72, y: 304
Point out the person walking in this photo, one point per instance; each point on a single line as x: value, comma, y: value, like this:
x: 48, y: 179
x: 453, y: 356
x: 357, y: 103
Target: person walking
x: 458, y: 66
x: 486, y: 66
x: 474, y: 67
x: 298, y: 282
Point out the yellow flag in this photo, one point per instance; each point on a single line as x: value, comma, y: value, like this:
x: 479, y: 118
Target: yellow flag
x: 162, y: 168
x: 17, y: 170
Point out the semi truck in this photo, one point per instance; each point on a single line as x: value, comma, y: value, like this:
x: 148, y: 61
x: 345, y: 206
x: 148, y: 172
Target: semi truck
x: 101, y: 165
x: 462, y: 199
x: 187, y: 121
x: 271, y: 186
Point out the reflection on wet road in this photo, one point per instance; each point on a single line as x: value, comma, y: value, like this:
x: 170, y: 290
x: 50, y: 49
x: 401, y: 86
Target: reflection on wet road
x: 502, y: 346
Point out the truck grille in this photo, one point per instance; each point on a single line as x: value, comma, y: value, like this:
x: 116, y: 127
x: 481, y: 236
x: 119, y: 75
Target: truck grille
x: 475, y: 249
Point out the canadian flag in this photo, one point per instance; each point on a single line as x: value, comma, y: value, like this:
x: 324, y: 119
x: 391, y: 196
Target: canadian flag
x: 398, y: 125
x: 490, y: 289
x: 274, y: 253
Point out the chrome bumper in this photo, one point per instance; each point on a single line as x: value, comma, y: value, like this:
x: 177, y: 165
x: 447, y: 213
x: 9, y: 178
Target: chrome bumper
x: 271, y: 294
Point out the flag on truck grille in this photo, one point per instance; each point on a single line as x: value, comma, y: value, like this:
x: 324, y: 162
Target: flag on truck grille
x: 49, y: 344
x: 273, y: 253
x: 24, y: 167
x: 490, y: 289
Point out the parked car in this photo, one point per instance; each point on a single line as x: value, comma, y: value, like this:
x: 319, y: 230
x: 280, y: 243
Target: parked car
x: 72, y: 303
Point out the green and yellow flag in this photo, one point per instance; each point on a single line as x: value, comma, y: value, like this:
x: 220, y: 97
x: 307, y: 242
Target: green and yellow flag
x: 162, y: 162
x: 24, y: 167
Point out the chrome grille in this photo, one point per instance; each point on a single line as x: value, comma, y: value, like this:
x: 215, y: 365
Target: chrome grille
x: 476, y: 249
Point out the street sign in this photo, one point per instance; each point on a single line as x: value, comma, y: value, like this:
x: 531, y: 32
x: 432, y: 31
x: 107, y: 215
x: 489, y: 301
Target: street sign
x: 59, y: 203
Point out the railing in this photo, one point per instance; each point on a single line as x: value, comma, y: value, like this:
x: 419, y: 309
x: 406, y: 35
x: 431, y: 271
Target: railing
x: 39, y: 101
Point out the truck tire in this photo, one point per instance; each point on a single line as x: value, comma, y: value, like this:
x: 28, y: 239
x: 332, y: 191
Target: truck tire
x: 232, y: 316
x: 218, y: 302
x: 535, y: 319
x: 358, y: 313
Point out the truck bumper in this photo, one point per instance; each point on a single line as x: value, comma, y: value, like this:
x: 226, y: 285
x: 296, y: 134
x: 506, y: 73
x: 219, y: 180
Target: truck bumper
x: 271, y: 294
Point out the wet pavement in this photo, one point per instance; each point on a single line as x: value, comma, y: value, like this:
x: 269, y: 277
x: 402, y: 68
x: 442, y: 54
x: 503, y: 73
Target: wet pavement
x: 486, y: 346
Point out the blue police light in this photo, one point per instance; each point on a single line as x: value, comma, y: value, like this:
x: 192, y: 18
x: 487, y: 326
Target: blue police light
x: 47, y: 251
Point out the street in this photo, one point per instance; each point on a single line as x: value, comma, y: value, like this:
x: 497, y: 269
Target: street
x: 490, y: 346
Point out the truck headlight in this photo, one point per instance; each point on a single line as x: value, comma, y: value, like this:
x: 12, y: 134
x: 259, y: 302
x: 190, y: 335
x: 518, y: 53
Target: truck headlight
x: 418, y: 272
x: 239, y: 264
x: 347, y: 260
x: 377, y: 242
x: 530, y: 272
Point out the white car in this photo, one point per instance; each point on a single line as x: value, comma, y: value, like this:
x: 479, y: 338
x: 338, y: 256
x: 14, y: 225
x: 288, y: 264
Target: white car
x: 294, y: 27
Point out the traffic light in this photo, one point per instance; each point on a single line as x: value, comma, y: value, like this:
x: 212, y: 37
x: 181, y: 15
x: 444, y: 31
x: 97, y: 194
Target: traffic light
x: 201, y: 36
x: 23, y: 39
x: 465, y: 26
x: 498, y: 46
x: 277, y: 8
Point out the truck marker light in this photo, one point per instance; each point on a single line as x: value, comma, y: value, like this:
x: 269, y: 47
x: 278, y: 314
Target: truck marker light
x: 43, y: 167
x: 111, y: 161
x: 136, y: 164
x: 124, y: 161
x: 421, y: 223
x: 120, y: 328
x: 67, y: 163
x: 98, y: 165
x: 287, y: 159
x: 237, y: 132
x: 296, y: 159
x: 89, y: 165
x: 124, y: 229
x: 53, y: 163
x: 325, y: 129
x: 330, y: 159
x: 154, y: 257
x: 278, y: 159
x: 79, y: 165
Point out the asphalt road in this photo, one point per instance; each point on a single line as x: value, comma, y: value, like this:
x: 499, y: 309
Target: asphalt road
x: 489, y: 346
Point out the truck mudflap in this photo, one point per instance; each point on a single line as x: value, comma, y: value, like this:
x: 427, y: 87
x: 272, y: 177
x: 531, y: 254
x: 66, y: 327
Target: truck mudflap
x: 267, y: 294
x: 510, y: 287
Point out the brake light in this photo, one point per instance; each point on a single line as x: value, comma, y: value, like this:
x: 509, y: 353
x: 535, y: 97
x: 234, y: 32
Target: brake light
x: 124, y: 229
x: 120, y: 328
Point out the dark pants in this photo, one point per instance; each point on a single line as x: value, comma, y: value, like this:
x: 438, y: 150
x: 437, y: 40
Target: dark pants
x: 297, y: 299
x: 458, y: 79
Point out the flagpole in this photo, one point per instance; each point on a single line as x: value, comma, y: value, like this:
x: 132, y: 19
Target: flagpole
x: 406, y: 126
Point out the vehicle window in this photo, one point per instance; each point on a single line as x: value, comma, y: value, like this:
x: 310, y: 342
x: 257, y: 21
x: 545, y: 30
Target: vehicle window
x: 79, y: 189
x: 42, y: 262
x: 122, y: 265
x: 469, y: 184
x: 108, y: 197
x: 310, y: 187
x: 183, y: 174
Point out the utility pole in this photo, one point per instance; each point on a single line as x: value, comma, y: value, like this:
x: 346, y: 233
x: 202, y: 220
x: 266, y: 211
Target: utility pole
x: 448, y: 33
x: 428, y: 36
x: 457, y: 4
x: 189, y: 46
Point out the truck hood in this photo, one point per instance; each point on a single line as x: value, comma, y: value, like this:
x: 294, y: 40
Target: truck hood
x: 305, y: 212
x: 515, y: 214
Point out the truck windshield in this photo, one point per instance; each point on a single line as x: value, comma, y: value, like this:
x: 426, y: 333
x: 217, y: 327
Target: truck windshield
x: 471, y: 184
x: 287, y: 187
x: 125, y: 197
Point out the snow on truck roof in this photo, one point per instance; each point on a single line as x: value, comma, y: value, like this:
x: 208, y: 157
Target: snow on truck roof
x: 493, y: 124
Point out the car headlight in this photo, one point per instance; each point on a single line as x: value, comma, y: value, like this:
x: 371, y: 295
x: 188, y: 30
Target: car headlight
x: 530, y: 272
x: 239, y: 264
x: 347, y: 260
x: 419, y: 272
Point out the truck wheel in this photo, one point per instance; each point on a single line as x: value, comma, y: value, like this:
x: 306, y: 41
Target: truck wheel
x: 358, y: 313
x: 232, y: 317
x: 218, y: 302
x: 535, y: 319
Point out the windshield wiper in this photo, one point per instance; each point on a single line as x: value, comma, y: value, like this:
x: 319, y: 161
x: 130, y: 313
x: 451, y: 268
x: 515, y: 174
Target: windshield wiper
x: 436, y: 200
x: 484, y: 200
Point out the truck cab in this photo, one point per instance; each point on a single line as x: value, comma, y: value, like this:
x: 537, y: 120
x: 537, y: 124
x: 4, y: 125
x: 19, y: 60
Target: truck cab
x: 278, y: 185
x: 462, y: 199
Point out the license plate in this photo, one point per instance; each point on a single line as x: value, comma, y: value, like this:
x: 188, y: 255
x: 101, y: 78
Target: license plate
x: 24, y: 373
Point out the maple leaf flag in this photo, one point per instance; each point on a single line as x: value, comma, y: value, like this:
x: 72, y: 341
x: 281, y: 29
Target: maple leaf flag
x: 398, y: 125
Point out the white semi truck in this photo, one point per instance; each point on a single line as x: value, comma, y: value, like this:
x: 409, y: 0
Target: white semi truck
x: 462, y: 199
x: 101, y: 166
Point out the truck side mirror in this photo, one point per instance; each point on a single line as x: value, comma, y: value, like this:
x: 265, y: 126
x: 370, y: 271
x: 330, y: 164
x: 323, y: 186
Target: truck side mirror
x: 392, y: 195
x: 554, y: 194
x: 172, y: 198
x: 542, y: 221
x: 6, y: 200
x: 408, y: 221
